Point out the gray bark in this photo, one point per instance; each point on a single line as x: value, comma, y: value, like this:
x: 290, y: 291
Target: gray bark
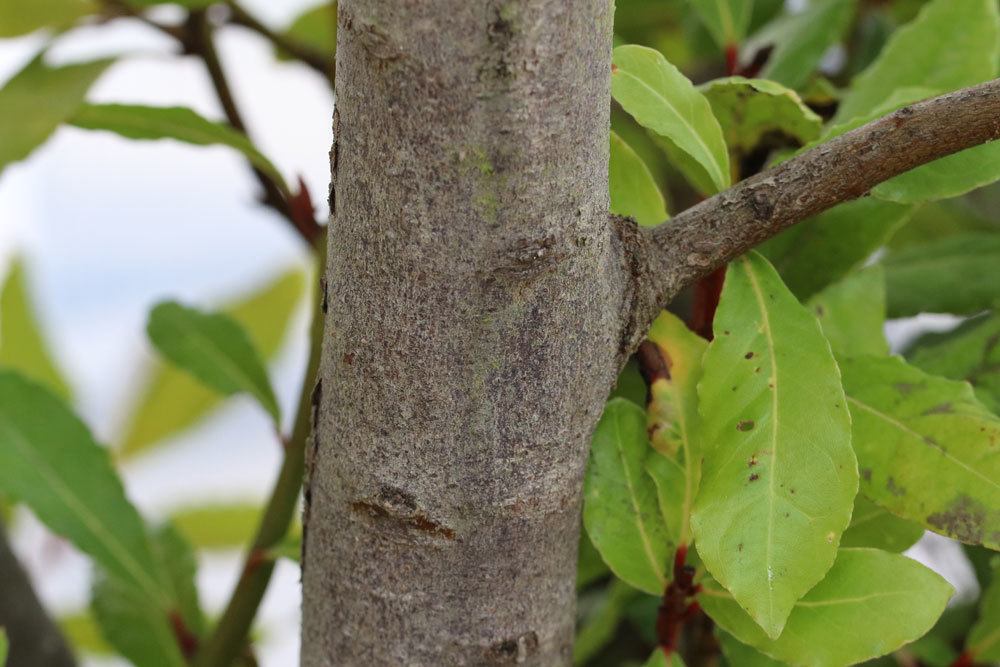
x: 480, y: 302
x: 474, y: 295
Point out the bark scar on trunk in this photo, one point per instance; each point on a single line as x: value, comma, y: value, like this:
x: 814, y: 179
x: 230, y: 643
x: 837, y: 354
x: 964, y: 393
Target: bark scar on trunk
x: 399, y: 507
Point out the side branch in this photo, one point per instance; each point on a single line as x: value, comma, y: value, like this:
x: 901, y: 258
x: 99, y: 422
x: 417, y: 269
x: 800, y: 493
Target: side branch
x: 667, y: 258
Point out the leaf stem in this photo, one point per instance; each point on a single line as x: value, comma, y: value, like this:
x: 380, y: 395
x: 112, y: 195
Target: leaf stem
x: 230, y: 635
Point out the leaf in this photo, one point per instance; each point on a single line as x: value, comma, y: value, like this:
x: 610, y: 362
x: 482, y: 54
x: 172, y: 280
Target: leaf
x: 752, y: 111
x: 84, y: 635
x: 983, y: 643
x: 620, y: 511
x: 675, y: 466
x: 634, y: 193
x: 948, y: 46
x: 3, y: 647
x: 221, y: 526
x: 825, y: 248
x: 213, y: 348
x: 662, y: 99
x: 22, y: 342
x: 928, y: 451
x: 971, y: 353
x: 660, y: 659
x: 21, y: 17
x: 800, y: 40
x: 959, y: 274
x: 172, y: 400
x: 37, y: 101
x: 739, y: 654
x: 189, y: 4
x: 179, y: 123
x: 778, y: 468
x: 49, y: 461
x: 159, y: 635
x: 946, y: 177
x: 852, y: 313
x: 726, y: 20
x: 590, y: 566
x: 870, y: 604
x: 598, y: 625
x: 316, y: 28
x: 872, y: 526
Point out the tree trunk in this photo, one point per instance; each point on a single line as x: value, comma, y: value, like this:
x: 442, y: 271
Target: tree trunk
x: 473, y: 331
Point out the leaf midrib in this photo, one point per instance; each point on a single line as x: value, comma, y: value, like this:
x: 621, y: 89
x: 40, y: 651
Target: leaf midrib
x: 647, y: 545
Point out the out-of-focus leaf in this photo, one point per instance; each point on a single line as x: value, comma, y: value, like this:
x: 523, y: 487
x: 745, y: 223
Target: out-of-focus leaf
x: 739, y: 654
x: 663, y: 100
x: 3, y: 647
x: 872, y: 526
x: 22, y: 342
x: 214, y: 348
x: 173, y: 401
x: 37, y: 101
x: 84, y: 635
x: 189, y: 4
x: 634, y: 193
x: 927, y: 448
x: 852, y: 313
x: 620, y: 510
x: 178, y: 123
x: 823, y: 249
x: 590, y: 566
x: 937, y: 220
x: 598, y: 626
x: 946, y: 177
x: 885, y: 599
x: 971, y: 353
x: 176, y: 559
x: 983, y: 643
x: 726, y: 20
x: 959, y: 274
x: 752, y: 110
x: 800, y: 40
x: 630, y: 385
x: 20, y: 17
x: 948, y: 46
x: 218, y: 526
x: 659, y: 659
x: 316, y: 28
x: 673, y: 419
x: 778, y: 468
x: 50, y: 462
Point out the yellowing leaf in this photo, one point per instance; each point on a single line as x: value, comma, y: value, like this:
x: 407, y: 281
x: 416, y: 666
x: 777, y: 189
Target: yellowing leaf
x: 779, y: 476
x: 620, y: 511
x: 662, y: 99
x: 870, y: 604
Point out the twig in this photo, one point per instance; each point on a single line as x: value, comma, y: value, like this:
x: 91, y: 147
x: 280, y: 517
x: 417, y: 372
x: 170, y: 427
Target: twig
x: 230, y: 634
x: 314, y: 58
x: 667, y: 258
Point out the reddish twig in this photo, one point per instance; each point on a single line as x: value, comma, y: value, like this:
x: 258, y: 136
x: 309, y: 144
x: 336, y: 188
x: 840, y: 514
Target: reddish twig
x: 677, y: 606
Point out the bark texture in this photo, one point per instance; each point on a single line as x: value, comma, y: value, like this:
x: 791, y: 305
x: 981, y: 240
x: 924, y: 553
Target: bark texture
x: 475, y: 296
x: 35, y: 641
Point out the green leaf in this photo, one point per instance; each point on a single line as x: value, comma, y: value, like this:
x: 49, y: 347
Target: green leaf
x: 316, y: 28
x: 949, y: 45
x: 37, y: 101
x: 752, y: 111
x: 590, y: 567
x: 738, y: 654
x: 213, y: 348
x: 620, y: 511
x: 3, y: 647
x: 927, y: 449
x: 675, y: 466
x: 188, y: 4
x: 823, y: 249
x: 172, y: 400
x: 800, y: 40
x: 49, y: 461
x: 222, y: 526
x: 22, y: 342
x: 599, y: 623
x: 178, y: 123
x: 159, y: 635
x: 872, y: 526
x: 959, y: 274
x: 660, y: 659
x: 726, y: 20
x: 852, y: 313
x: 778, y: 468
x: 84, y: 635
x: 634, y: 192
x: 662, y: 99
x: 870, y: 604
x: 946, y: 177
x: 20, y: 17
x: 984, y: 639
x: 971, y: 353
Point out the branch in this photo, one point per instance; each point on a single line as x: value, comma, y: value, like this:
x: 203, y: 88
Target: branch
x: 665, y: 259
x: 35, y: 640
x: 314, y: 58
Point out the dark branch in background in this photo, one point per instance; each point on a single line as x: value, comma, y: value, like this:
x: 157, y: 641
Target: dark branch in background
x: 35, y: 640
x: 315, y: 59
x: 667, y: 258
